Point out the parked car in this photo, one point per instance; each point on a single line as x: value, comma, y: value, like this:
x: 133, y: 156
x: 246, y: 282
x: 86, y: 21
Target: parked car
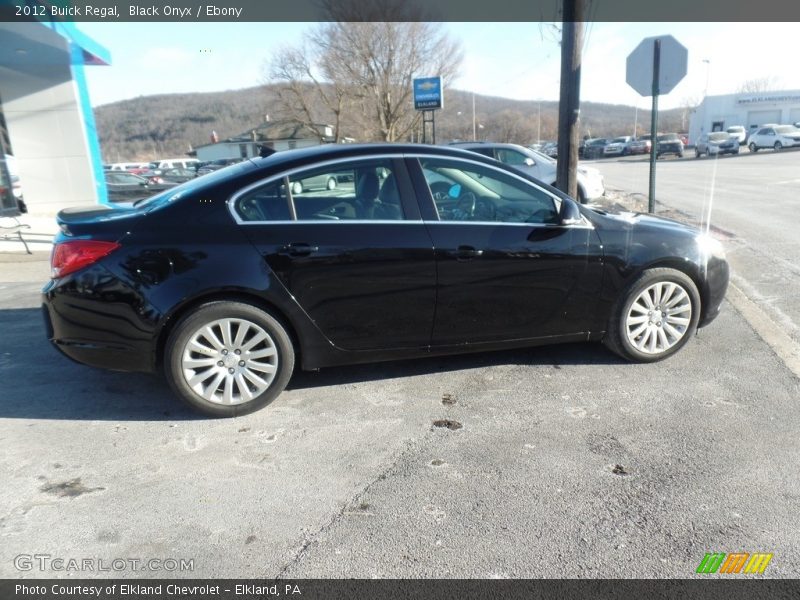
x: 451, y: 252
x: 127, y: 166
x: 776, y: 137
x: 739, y: 132
x: 639, y: 146
x: 538, y: 165
x: 619, y: 146
x: 669, y: 143
x: 174, y: 163
x: 325, y: 181
x: 716, y: 143
x: 594, y: 148
x: 550, y: 149
x: 123, y: 186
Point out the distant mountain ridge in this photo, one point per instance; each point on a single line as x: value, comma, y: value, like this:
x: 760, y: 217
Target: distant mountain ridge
x: 150, y: 127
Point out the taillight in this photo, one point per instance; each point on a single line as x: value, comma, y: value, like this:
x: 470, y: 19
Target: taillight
x: 68, y: 257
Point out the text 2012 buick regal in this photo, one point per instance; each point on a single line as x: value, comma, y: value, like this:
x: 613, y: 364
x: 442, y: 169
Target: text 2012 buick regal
x: 226, y: 281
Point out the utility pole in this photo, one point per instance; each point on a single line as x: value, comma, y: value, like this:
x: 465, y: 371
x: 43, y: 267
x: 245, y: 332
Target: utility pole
x: 569, y: 101
x: 474, y: 136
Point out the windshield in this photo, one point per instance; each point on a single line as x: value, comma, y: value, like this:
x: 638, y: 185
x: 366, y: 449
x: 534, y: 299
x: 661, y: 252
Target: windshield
x: 187, y: 187
x: 619, y: 140
x: 718, y: 137
x: 668, y: 137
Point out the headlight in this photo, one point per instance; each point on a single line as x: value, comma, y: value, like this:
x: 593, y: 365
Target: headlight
x: 710, y: 246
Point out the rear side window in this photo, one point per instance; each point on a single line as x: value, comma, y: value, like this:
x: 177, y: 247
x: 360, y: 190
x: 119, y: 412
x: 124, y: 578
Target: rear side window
x: 363, y: 190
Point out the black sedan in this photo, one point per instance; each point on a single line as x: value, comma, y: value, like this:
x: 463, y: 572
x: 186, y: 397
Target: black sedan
x: 225, y: 281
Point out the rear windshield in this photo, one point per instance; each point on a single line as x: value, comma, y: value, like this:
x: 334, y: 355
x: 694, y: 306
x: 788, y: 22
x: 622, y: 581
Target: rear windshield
x: 188, y: 187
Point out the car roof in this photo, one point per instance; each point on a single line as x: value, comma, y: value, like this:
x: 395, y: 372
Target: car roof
x: 285, y: 158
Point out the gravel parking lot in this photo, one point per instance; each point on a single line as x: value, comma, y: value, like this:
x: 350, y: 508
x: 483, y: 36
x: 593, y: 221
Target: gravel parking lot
x: 550, y: 462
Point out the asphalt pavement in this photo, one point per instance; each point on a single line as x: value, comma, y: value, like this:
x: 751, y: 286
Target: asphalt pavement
x: 560, y: 461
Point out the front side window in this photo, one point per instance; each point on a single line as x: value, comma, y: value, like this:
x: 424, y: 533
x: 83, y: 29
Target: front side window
x: 475, y: 193
x: 363, y: 190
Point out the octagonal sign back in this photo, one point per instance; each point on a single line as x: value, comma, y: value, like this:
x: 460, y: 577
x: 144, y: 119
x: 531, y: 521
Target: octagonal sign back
x: 639, y: 66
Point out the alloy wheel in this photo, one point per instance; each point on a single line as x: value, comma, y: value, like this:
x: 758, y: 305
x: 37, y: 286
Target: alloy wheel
x: 229, y: 361
x: 658, y: 318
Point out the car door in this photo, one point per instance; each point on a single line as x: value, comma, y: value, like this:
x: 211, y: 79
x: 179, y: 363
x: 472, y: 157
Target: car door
x: 507, y: 269
x: 357, y: 259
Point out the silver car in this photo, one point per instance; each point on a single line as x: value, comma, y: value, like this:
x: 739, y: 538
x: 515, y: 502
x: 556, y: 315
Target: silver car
x: 715, y: 144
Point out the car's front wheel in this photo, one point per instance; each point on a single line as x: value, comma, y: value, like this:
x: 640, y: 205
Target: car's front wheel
x: 228, y: 358
x: 778, y: 146
x: 655, y: 317
x: 753, y: 147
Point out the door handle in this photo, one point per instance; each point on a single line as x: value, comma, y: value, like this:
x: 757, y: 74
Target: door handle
x: 299, y: 249
x: 465, y: 253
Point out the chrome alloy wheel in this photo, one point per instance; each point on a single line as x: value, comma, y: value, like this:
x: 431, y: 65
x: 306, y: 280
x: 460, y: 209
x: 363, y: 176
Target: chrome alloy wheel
x: 658, y: 318
x: 229, y: 361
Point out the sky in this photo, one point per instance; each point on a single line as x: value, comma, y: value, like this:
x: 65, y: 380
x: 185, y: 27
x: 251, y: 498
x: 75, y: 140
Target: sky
x: 512, y: 60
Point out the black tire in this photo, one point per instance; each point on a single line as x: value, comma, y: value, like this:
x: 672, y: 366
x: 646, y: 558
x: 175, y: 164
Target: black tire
x: 778, y: 146
x: 680, y: 154
x: 208, y: 314
x: 753, y: 147
x: 697, y: 153
x: 617, y: 337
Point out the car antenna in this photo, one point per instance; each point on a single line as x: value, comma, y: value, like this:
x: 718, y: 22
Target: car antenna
x: 265, y: 151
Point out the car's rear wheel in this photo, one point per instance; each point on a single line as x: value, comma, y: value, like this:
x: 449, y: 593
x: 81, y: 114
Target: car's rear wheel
x: 655, y: 316
x: 753, y: 147
x: 697, y: 153
x: 228, y: 358
x: 778, y: 146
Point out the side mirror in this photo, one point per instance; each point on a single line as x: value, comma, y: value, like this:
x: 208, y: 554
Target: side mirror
x: 569, y: 214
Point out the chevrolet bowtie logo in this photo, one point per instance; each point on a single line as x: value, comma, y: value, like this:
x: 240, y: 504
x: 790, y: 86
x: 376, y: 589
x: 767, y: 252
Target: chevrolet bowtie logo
x: 428, y: 85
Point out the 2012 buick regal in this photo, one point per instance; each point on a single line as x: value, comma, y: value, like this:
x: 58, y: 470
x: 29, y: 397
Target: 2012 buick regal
x: 226, y: 281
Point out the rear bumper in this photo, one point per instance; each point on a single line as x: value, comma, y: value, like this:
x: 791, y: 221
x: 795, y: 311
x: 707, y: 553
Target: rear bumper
x: 85, y: 326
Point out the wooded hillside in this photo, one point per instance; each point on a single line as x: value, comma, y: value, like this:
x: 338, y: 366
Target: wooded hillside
x: 168, y: 125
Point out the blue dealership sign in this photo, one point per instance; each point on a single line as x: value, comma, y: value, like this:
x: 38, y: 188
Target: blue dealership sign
x: 428, y: 93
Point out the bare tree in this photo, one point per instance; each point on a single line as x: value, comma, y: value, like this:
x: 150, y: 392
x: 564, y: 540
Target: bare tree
x: 758, y: 84
x: 362, y: 72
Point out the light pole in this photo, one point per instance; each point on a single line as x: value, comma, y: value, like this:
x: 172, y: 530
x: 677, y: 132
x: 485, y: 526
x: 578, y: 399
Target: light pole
x: 474, y: 137
x: 539, y: 124
x: 635, y: 120
x: 708, y: 75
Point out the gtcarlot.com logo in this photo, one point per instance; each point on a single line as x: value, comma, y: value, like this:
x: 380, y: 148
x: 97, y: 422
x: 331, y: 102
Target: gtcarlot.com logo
x: 734, y: 563
x: 48, y: 562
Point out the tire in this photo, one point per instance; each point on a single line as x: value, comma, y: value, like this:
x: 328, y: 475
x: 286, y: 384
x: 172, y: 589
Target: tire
x: 753, y: 147
x: 778, y: 146
x: 297, y: 187
x: 581, y: 195
x: 633, y: 331
x: 331, y: 183
x: 697, y: 153
x: 218, y: 381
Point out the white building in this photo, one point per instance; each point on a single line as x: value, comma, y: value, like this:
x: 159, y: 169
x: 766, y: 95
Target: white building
x: 278, y: 135
x: 717, y: 113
